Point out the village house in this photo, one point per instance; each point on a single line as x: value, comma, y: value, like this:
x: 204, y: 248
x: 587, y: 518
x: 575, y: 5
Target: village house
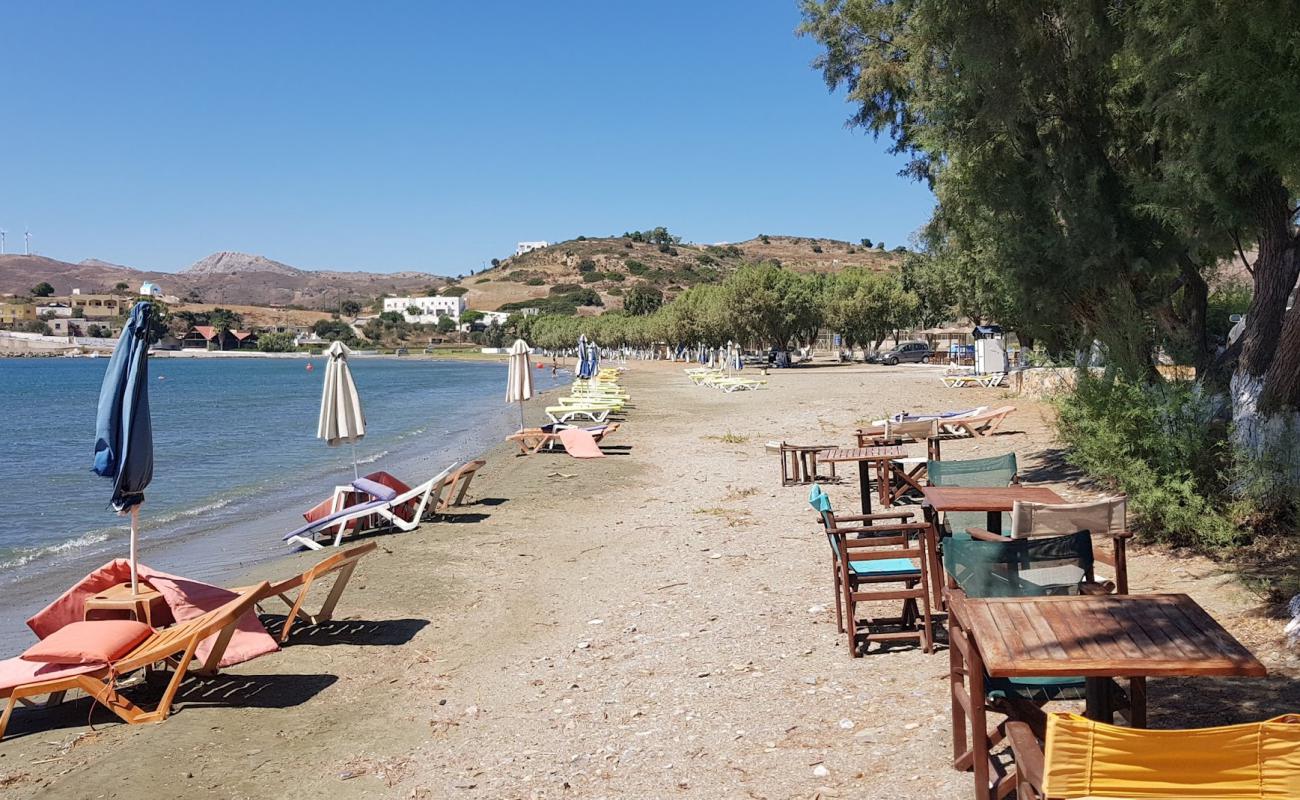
x: 95, y: 306
x: 430, y: 309
x: 206, y: 337
x: 13, y: 312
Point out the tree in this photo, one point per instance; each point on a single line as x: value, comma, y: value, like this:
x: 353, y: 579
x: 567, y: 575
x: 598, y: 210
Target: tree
x: 470, y: 316
x: 350, y: 308
x: 222, y: 322
x: 276, y: 343
x: 496, y: 262
x: 768, y: 304
x: 336, y: 330
x: 42, y: 289
x: 121, y: 287
x: 867, y: 307
x: 414, y: 311
x: 446, y: 325
x: 642, y: 299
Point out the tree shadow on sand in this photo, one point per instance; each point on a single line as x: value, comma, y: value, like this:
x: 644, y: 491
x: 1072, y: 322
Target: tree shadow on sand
x: 1053, y: 468
x: 1205, y: 702
x: 368, y: 633
x: 222, y: 691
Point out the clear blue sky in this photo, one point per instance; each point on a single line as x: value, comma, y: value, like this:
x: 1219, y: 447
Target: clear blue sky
x: 421, y: 135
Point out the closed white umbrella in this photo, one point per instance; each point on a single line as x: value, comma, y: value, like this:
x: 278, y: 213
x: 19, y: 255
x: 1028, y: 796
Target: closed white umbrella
x: 341, y: 417
x: 519, y: 380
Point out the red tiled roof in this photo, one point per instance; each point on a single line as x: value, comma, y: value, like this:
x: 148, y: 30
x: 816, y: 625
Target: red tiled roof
x: 206, y: 331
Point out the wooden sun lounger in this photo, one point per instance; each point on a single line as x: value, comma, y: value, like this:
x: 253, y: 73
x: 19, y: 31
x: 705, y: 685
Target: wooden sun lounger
x: 981, y: 425
x: 533, y: 440
x: 175, y: 645
x: 343, y: 563
x: 458, y: 483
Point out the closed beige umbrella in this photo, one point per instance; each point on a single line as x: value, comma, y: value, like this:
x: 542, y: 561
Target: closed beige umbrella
x: 519, y: 380
x: 341, y: 417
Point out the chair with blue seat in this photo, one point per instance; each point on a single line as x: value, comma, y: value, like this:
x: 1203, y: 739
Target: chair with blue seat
x: 873, y: 550
x: 993, y: 472
x: 984, y: 564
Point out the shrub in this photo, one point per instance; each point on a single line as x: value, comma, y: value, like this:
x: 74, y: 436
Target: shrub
x: 534, y: 281
x: 581, y: 239
x: 705, y: 259
x: 483, y: 280
x: 565, y: 288
x: 1160, y: 444
x: 276, y: 343
x: 628, y: 245
x: 454, y: 291
x: 817, y: 248
x: 762, y: 237
x: 616, y: 291
x: 635, y: 267
x: 617, y: 277
x: 592, y: 277
x: 586, y: 265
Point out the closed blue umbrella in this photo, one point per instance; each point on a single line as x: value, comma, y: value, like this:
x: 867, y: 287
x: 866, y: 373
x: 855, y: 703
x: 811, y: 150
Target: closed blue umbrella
x: 123, y: 430
x: 582, y: 357
x: 593, y: 356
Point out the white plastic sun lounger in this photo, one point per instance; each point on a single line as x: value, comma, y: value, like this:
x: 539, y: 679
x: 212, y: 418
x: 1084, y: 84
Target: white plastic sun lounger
x: 561, y: 414
x: 428, y: 495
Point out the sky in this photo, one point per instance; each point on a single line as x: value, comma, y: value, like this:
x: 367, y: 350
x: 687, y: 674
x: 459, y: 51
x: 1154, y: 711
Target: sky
x: 388, y: 136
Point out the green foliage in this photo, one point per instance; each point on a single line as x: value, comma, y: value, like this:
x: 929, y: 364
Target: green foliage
x: 635, y: 267
x: 592, y: 277
x: 641, y: 300
x: 276, y: 343
x: 470, y: 316
x: 616, y: 277
x: 1161, y: 445
x: 865, y: 242
x: 34, y: 326
x: 496, y: 262
x: 586, y: 265
x: 337, y: 330
x: 816, y: 248
x: 483, y: 280
x: 445, y: 325
x: 350, y: 308
x: 535, y: 281
x: 42, y: 289
x: 1231, y: 298
x: 454, y: 291
x: 867, y: 307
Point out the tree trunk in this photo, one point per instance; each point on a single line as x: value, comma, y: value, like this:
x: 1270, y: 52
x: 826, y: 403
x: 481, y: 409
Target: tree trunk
x: 1266, y: 383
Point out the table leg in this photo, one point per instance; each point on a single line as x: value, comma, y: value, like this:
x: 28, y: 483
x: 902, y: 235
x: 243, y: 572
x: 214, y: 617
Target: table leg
x: 1099, y: 706
x: 994, y: 522
x: 932, y: 552
x: 864, y: 485
x: 884, y: 483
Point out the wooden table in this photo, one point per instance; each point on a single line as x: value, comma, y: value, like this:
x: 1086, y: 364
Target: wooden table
x: 119, y: 598
x: 1097, y: 637
x: 865, y: 458
x: 991, y: 499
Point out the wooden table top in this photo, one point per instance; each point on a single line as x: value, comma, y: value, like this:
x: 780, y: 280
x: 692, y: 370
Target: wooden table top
x: 121, y: 593
x: 1102, y: 636
x: 985, y: 498
x: 863, y: 453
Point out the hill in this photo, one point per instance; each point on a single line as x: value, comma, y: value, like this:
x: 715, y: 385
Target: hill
x: 612, y: 265
x: 222, y: 278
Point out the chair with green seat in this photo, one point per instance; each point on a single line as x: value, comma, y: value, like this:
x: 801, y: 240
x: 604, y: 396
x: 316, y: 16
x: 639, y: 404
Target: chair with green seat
x: 887, y: 549
x: 993, y: 472
x: 988, y: 565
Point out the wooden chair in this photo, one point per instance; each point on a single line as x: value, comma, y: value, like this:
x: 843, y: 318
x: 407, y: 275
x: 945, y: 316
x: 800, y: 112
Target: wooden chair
x: 1084, y: 759
x: 887, y: 549
x: 1106, y: 518
x: 799, y: 464
x: 906, y: 474
x: 458, y: 483
x: 341, y: 565
x: 984, y: 564
x: 175, y: 646
x: 994, y: 471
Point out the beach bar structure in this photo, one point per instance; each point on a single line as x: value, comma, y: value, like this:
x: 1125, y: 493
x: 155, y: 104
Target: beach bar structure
x: 206, y: 337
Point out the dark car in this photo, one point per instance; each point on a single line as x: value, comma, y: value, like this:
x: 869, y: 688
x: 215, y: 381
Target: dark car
x: 908, y: 353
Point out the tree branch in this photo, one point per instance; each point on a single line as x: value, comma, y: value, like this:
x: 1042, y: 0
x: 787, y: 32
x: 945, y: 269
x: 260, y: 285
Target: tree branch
x: 1236, y: 239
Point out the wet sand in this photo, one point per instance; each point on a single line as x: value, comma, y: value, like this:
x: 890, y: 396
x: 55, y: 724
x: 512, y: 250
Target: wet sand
x: 655, y: 624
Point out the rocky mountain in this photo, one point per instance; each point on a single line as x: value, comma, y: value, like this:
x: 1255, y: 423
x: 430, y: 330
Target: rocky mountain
x: 221, y: 278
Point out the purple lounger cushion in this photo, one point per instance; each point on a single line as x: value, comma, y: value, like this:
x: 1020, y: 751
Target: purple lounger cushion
x: 325, y: 522
x: 375, y: 489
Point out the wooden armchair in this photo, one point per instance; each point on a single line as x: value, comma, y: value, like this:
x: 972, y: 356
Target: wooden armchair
x: 875, y: 550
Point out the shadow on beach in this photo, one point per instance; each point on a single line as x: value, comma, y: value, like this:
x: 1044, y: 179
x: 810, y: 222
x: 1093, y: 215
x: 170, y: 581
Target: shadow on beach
x: 1202, y: 702
x: 372, y: 633
x: 222, y: 691
x: 1052, y: 468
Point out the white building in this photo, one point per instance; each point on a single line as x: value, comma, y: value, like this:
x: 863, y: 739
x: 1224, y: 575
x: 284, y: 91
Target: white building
x: 497, y: 317
x: 431, y: 308
x: 528, y: 247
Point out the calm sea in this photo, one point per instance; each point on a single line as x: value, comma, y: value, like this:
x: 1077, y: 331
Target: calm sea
x: 236, y: 459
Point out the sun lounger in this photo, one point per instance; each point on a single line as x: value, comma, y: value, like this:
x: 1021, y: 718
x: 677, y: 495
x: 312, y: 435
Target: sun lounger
x: 532, y: 440
x: 22, y: 680
x: 730, y: 385
x: 340, y: 564
x: 978, y: 425
x: 402, y: 510
x: 458, y: 483
x: 562, y: 414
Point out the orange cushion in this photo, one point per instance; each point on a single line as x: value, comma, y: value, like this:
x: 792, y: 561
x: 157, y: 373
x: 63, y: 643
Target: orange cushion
x: 99, y: 641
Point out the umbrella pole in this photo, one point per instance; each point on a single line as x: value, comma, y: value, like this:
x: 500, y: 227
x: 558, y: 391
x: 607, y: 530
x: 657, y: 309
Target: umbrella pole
x: 521, y: 415
x: 355, y: 474
x: 135, y: 572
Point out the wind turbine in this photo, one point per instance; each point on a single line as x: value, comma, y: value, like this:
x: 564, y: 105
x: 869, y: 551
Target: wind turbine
x: 27, y: 242
x: 2, y: 241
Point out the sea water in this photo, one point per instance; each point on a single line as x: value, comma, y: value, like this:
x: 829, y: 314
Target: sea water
x: 236, y: 460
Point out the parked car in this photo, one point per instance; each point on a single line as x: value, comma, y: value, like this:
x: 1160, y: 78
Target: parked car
x: 907, y: 353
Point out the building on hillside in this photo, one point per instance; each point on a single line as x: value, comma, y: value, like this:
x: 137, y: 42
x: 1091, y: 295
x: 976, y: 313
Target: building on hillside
x: 13, y: 312
x: 528, y: 247
x: 205, y: 337
x: 431, y: 309
x: 497, y: 317
x: 48, y: 310
x: 96, y: 306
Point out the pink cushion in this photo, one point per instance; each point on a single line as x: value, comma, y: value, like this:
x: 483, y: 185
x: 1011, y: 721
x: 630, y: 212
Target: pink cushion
x: 15, y: 672
x: 580, y: 444
x: 100, y: 641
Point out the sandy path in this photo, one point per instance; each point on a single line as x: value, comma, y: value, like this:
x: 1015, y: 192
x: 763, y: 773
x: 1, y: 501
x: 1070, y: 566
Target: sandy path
x: 656, y: 624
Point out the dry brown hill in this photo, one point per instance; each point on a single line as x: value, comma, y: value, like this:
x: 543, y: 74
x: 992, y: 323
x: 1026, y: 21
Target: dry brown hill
x: 222, y: 278
x: 613, y: 265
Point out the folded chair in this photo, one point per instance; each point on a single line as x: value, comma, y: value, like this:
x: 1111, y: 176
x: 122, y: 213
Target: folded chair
x: 1005, y: 567
x: 906, y: 474
x: 888, y: 550
x: 1083, y: 759
x: 994, y: 471
x: 21, y: 680
x: 341, y: 565
x: 458, y: 483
